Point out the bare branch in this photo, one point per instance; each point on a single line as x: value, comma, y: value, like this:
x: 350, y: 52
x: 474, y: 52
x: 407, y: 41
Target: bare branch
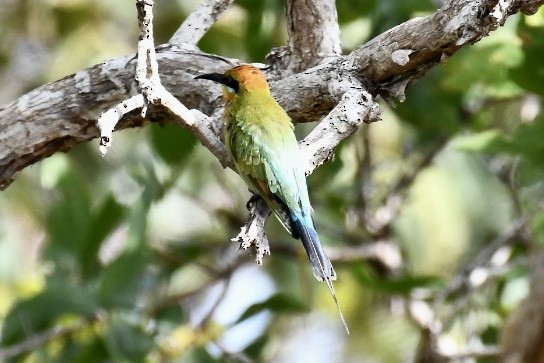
x: 147, y: 79
x: 35, y: 341
x: 252, y: 233
x: 462, y: 280
x: 107, y: 121
x: 57, y: 116
x: 427, y: 41
x: 199, y: 22
x: 314, y: 35
x: 386, y: 253
x: 354, y: 107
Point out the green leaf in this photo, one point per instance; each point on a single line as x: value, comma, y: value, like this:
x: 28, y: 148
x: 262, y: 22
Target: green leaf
x: 68, y: 224
x: 481, y: 71
x: 530, y: 74
x: 527, y: 141
x: 103, y: 222
x: 478, y: 142
x: 128, y: 277
x: 255, y: 349
x: 173, y: 143
x: 41, y: 312
x: 278, y: 303
x: 127, y: 341
x: 389, y: 13
x: 93, y: 351
x: 201, y: 355
x: 403, y: 285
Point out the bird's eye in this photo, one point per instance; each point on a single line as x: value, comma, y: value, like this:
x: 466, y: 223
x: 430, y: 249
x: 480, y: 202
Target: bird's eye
x: 232, y: 85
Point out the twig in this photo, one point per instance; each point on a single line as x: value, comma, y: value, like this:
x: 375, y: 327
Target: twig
x: 378, y: 224
x: 490, y: 351
x: 239, y: 357
x: 199, y: 22
x: 253, y: 232
x: 153, y: 92
x: 461, y: 280
x: 175, y: 299
x: 206, y: 319
x: 406, y: 180
x: 107, y: 120
x: 387, y: 253
x: 431, y: 327
x: 486, y: 266
x: 38, y: 340
x: 521, y: 339
x: 364, y: 176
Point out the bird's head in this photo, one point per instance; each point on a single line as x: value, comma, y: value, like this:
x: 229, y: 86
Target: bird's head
x: 239, y: 80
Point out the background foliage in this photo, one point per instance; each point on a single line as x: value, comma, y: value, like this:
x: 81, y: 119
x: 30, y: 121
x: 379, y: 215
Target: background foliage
x: 128, y: 258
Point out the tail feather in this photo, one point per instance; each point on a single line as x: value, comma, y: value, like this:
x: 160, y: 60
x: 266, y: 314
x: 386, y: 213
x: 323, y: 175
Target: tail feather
x: 321, y: 264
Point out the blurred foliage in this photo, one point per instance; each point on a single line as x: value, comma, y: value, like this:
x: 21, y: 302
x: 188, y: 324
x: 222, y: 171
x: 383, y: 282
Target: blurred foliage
x: 128, y: 258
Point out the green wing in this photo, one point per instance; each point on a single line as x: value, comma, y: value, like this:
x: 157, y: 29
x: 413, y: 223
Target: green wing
x: 266, y: 154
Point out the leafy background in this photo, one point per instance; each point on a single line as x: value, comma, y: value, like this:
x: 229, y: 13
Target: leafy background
x: 128, y: 258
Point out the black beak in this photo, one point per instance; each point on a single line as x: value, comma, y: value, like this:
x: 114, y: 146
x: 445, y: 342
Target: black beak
x: 221, y: 78
x: 216, y: 77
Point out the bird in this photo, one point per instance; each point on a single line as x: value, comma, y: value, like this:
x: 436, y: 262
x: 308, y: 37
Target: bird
x: 260, y: 139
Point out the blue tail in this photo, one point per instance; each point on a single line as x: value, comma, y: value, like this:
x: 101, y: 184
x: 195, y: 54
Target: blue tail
x: 321, y: 264
x: 323, y: 270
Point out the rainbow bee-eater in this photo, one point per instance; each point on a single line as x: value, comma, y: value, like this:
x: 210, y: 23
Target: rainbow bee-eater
x: 259, y: 137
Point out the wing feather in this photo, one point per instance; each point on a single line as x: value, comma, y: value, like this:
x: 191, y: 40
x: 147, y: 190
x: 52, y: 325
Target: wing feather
x: 266, y: 154
x: 268, y: 151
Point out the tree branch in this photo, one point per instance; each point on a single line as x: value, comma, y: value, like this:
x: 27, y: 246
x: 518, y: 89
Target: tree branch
x: 199, y: 22
x: 314, y: 35
x: 57, y: 116
x: 153, y: 92
x: 486, y: 266
x: 38, y: 340
x: 395, y: 59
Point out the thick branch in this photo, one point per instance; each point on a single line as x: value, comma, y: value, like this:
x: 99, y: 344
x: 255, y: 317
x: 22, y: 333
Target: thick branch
x: 57, y: 116
x: 394, y: 59
x: 313, y: 33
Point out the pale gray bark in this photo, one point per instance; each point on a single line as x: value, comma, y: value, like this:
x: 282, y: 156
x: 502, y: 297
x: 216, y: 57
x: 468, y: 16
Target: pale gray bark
x: 57, y: 116
x: 340, y: 88
x: 314, y: 34
x: 199, y: 22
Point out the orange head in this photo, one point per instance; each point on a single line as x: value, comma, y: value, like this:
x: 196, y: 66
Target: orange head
x: 238, y: 80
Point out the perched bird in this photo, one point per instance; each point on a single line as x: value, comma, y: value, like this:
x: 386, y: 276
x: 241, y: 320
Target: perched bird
x: 259, y: 137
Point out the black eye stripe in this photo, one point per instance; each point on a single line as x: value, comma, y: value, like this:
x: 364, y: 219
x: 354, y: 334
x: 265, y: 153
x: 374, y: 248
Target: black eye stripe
x: 232, y: 83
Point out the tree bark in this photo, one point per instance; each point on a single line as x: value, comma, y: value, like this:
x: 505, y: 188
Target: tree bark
x: 57, y: 116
